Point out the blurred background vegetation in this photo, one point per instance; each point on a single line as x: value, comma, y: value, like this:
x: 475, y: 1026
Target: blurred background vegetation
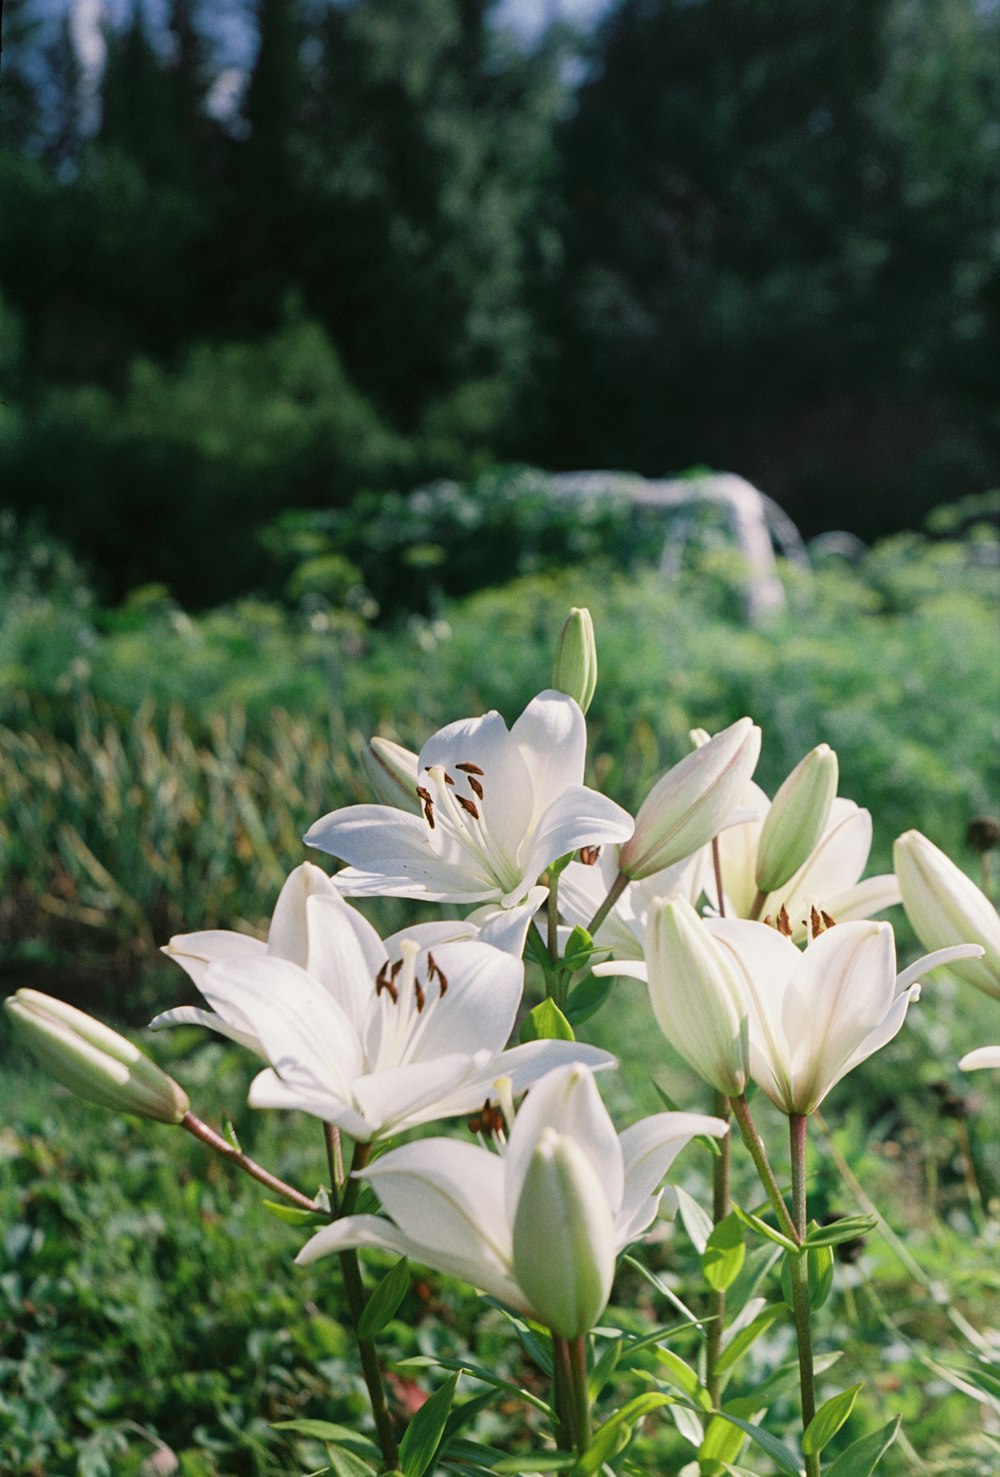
x: 261, y: 256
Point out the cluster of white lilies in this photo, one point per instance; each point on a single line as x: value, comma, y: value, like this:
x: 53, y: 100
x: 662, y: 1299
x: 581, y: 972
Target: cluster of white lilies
x: 749, y: 921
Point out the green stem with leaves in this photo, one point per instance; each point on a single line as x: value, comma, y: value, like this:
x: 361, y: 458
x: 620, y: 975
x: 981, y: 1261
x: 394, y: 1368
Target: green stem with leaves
x: 614, y: 893
x: 235, y: 1156
x: 572, y: 1393
x: 721, y: 1206
x: 755, y: 1145
x: 799, y: 1273
x: 354, y: 1289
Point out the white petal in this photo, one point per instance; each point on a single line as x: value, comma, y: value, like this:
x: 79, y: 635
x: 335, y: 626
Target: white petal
x: 194, y: 952
x: 288, y: 935
x: 568, y: 1101
x: 308, y: 1038
x: 519, y: 1067
x: 649, y: 1148
x: 447, y: 1194
x: 983, y: 1056
x: 865, y: 899
x: 577, y: 817
x: 636, y: 969
x: 551, y: 734
x: 381, y: 843
x: 507, y: 928
x: 506, y: 803
x: 344, y: 953
x: 839, y: 859
x: 405, y: 1096
x: 935, y: 960
x: 190, y: 1015
x: 268, y: 1090
x: 370, y: 1230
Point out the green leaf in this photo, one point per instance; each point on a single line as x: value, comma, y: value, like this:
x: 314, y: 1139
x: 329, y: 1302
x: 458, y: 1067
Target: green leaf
x: 588, y: 997
x: 293, y: 1215
x: 746, y: 1337
x: 384, y: 1301
x: 695, y: 1220
x: 820, y: 1265
x: 615, y: 1432
x: 763, y: 1229
x: 552, y: 1461
x: 776, y: 1450
x: 423, y: 1435
x: 724, y: 1253
x: 546, y: 1023
x: 683, y: 1376
x: 847, y: 1229
x: 329, y: 1431
x: 604, y: 1367
x: 579, y: 947
x: 723, y: 1441
x: 828, y: 1420
x: 478, y: 1372
x: 346, y: 1464
x: 863, y: 1456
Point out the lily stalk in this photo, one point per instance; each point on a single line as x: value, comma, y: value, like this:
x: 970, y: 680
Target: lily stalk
x: 799, y: 1273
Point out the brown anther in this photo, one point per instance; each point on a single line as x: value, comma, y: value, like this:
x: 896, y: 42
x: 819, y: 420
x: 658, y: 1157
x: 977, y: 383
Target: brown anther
x: 429, y: 813
x: 448, y: 779
x: 828, y: 921
x: 395, y: 968
x: 784, y: 924
x: 815, y: 922
x: 469, y: 806
x: 419, y: 996
x: 434, y: 971
x: 489, y: 1121
x: 589, y: 855
x: 424, y: 795
x: 475, y: 787
x: 384, y: 982
x: 767, y: 921
x: 470, y: 768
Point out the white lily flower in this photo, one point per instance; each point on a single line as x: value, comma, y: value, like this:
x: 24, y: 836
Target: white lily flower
x: 945, y: 905
x: 373, y: 1036
x: 983, y: 1056
x: 829, y: 878
x: 814, y: 1014
x: 498, y: 806
x: 471, y: 1213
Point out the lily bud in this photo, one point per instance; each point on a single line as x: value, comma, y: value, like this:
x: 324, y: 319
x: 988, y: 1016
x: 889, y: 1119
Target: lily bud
x: 574, y: 670
x: 689, y: 804
x: 946, y: 907
x: 698, y: 997
x: 92, y: 1060
x: 797, y: 818
x: 564, y: 1238
x: 391, y: 771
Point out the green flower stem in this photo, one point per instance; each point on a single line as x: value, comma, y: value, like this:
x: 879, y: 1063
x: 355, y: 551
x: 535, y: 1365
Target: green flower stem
x: 799, y: 1270
x: 720, y: 1209
x: 755, y: 1145
x: 571, y: 1381
x: 614, y: 893
x: 226, y: 1150
x: 757, y: 906
x: 555, y: 985
x: 354, y: 1288
x: 552, y: 918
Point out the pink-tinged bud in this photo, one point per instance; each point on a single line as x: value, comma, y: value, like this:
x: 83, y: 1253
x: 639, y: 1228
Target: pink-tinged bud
x: 391, y: 771
x: 797, y: 818
x: 946, y: 907
x: 690, y: 803
x: 564, y: 1238
x: 574, y: 670
x: 92, y: 1060
x: 698, y: 997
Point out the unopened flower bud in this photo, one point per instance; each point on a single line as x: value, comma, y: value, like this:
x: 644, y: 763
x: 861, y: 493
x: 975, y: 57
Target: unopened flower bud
x: 564, y: 1239
x: 690, y: 803
x: 698, y: 997
x: 92, y: 1060
x: 946, y: 907
x: 797, y: 818
x: 574, y: 670
x: 391, y: 771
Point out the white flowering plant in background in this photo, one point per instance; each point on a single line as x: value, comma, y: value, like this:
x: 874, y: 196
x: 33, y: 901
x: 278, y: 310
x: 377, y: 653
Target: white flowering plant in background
x: 750, y: 927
